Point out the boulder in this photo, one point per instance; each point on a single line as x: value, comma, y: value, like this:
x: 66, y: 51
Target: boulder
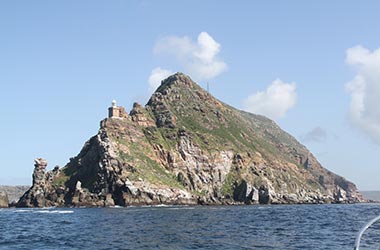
x: 246, y: 193
x: 291, y: 198
x: 264, y: 195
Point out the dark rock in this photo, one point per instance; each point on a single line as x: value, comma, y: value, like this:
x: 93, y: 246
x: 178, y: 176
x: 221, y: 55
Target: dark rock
x: 246, y: 193
x: 264, y: 195
x: 340, y: 195
x: 36, y: 195
x: 307, y: 164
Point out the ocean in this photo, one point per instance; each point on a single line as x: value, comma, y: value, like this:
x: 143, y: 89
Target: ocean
x: 185, y: 227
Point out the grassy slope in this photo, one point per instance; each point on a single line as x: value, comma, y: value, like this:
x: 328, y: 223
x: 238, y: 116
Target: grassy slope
x: 216, y: 126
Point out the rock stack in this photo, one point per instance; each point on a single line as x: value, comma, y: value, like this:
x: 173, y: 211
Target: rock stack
x: 35, y: 196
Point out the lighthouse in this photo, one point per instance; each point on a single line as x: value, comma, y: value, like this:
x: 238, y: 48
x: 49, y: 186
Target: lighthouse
x: 114, y: 110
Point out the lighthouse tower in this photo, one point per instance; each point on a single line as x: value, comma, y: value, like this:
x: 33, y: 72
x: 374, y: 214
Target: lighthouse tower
x: 114, y: 110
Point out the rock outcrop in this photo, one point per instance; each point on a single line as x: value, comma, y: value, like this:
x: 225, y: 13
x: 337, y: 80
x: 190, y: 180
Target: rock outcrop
x: 186, y: 147
x: 3, y: 200
x: 35, y: 196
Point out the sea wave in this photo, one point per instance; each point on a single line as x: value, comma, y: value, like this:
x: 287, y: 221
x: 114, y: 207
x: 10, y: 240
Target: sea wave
x: 43, y: 211
x: 22, y: 211
x: 55, y: 211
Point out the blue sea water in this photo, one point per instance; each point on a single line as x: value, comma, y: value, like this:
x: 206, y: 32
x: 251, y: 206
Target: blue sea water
x: 201, y: 227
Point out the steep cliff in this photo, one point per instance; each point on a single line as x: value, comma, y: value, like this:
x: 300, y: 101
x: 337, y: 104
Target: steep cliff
x: 186, y: 147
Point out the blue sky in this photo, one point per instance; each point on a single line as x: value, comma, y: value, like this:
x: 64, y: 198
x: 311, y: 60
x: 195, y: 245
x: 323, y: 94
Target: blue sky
x: 311, y: 66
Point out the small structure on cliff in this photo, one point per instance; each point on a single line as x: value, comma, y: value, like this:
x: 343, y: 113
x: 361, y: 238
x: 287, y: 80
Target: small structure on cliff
x: 116, y: 112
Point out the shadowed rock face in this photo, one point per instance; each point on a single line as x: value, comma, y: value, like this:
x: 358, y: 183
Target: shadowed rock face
x: 186, y: 147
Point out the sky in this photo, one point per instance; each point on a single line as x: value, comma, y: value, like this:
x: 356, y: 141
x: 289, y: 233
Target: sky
x: 312, y: 66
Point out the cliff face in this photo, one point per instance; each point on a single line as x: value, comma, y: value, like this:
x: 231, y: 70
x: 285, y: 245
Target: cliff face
x: 186, y: 147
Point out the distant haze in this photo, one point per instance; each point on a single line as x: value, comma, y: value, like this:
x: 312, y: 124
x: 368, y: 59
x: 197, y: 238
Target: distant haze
x: 371, y: 195
x: 14, y: 192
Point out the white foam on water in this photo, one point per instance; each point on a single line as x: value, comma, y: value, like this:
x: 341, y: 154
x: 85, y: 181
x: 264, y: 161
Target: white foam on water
x: 23, y: 211
x: 264, y: 207
x: 47, y: 210
x: 161, y: 205
x: 116, y: 206
x: 54, y: 211
x: 181, y: 208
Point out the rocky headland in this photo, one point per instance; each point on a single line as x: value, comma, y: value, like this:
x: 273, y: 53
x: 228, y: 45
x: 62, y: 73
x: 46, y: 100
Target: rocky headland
x: 186, y: 147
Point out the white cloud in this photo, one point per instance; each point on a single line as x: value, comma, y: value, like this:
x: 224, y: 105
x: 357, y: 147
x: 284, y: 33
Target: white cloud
x: 199, y: 59
x: 275, y: 102
x: 364, y: 111
x: 317, y: 134
x: 156, y: 76
x: 208, y: 48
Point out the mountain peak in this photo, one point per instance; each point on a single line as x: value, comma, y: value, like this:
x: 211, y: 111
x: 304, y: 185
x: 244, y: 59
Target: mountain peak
x: 179, y: 80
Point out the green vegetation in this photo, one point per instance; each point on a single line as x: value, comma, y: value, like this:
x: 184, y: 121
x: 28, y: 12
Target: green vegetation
x: 60, y: 180
x: 161, y: 136
x: 147, y: 169
x: 229, y: 183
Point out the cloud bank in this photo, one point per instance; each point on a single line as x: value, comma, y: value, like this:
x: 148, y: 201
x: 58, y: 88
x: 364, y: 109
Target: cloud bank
x: 198, y: 59
x: 274, y: 102
x: 364, y: 111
